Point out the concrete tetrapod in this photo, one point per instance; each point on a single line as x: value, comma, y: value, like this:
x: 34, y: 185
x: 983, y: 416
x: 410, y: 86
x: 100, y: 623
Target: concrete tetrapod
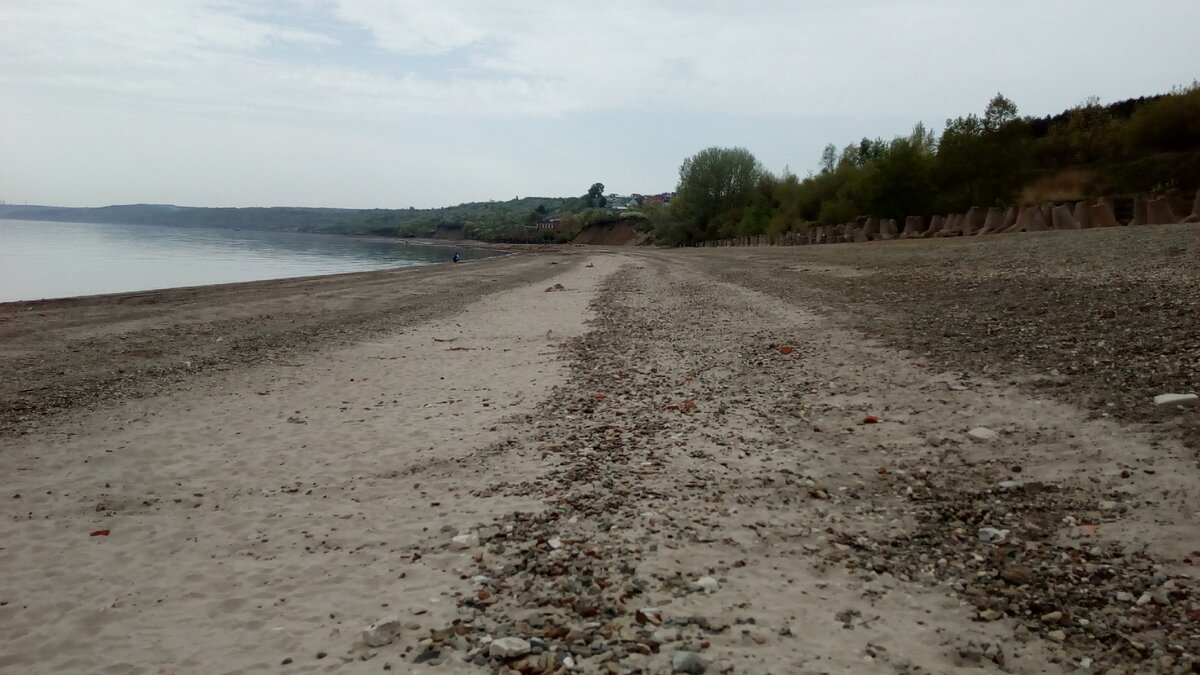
x: 1195, y: 216
x: 935, y: 225
x: 1159, y: 212
x: 1063, y: 219
x: 914, y: 227
x: 1102, y: 214
x: 1139, y: 210
x: 993, y: 222
x: 972, y: 221
x: 1010, y: 217
x: 1083, y: 215
x: 871, y: 229
x: 1030, y: 220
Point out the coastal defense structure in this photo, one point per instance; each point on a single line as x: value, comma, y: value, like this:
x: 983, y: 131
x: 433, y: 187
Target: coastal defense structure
x: 993, y: 222
x: 1159, y: 212
x: 1102, y: 214
x: 914, y: 226
x: 1156, y: 209
x: 972, y: 221
x: 1195, y: 216
x: 1139, y: 210
x: 935, y: 226
x: 1083, y: 214
x: 1063, y: 219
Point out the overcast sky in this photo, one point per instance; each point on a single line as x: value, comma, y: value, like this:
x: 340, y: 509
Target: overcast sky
x: 396, y: 103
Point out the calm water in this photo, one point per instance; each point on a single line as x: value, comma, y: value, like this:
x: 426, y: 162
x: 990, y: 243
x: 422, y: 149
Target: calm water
x: 57, y: 260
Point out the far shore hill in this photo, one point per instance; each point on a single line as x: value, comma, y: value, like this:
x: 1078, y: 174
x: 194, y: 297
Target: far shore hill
x: 520, y: 220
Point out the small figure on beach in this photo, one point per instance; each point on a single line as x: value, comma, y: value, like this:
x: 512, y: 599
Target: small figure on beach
x: 457, y: 257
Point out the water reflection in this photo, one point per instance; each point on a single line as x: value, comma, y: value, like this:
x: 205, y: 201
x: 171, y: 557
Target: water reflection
x: 54, y: 260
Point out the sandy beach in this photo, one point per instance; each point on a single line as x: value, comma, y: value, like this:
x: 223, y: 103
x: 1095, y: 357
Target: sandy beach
x: 899, y: 457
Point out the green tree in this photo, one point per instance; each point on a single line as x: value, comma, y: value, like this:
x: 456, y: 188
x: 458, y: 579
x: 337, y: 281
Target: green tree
x: 595, y: 196
x: 1000, y: 111
x: 715, y: 186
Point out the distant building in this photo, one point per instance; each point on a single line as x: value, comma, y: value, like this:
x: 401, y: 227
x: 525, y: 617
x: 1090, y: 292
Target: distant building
x: 554, y: 223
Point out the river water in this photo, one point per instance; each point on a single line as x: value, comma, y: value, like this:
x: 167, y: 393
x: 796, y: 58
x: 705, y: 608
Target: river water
x: 56, y: 260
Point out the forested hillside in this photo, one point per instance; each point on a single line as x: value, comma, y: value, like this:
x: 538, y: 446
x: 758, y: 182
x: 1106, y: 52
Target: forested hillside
x: 998, y: 158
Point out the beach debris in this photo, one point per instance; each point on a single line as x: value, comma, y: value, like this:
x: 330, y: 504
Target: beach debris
x: 1177, y: 399
x: 786, y: 349
x: 556, y: 287
x: 100, y: 533
x: 870, y: 419
x: 465, y: 541
x: 992, y: 534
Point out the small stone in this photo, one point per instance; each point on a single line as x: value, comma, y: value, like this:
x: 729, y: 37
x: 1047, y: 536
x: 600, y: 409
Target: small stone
x: 1057, y: 635
x: 1016, y: 574
x: 707, y: 584
x: 1052, y: 617
x: 688, y: 662
x: 508, y: 648
x: 1107, y: 505
x: 381, y: 632
x: 983, y: 434
x: 990, y: 615
x: 1177, y: 399
x: 1145, y: 599
x: 430, y: 656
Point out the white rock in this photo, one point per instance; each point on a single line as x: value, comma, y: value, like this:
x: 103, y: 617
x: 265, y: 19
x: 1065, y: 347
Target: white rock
x: 555, y: 542
x: 508, y: 648
x: 381, y: 632
x: 983, y: 434
x: 569, y: 663
x: 469, y: 540
x: 707, y: 584
x: 1177, y: 399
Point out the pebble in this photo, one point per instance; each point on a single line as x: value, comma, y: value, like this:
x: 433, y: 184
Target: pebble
x: 982, y: 434
x: 688, y: 662
x: 381, y: 632
x: 1017, y: 574
x: 1052, y: 617
x: 508, y: 648
x: 707, y: 584
x: 1177, y: 399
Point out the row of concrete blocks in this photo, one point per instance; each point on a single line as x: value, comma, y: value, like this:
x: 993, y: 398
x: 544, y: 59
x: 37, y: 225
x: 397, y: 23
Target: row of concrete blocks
x: 1146, y: 211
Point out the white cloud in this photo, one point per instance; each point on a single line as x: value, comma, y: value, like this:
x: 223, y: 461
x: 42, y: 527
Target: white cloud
x: 790, y: 75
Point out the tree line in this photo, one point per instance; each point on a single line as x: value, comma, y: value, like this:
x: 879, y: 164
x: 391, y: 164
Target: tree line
x: 1137, y: 145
